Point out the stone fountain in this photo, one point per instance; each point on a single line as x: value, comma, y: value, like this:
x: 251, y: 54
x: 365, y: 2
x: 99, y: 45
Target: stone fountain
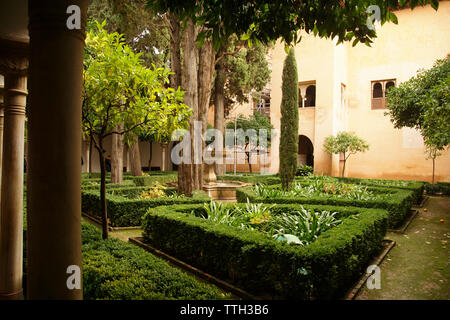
x: 219, y: 190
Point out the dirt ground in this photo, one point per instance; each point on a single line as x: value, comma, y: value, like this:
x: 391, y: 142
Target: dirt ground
x: 418, y: 267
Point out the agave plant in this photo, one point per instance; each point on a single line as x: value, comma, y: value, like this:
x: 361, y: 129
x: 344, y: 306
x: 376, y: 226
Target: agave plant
x: 306, y: 225
x: 218, y: 213
x: 268, y: 193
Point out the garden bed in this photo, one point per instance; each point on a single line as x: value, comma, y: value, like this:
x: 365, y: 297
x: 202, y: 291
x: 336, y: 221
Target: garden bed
x: 113, y: 269
x: 397, y: 202
x: 265, y: 267
x: 417, y: 187
x: 139, y: 241
x: 125, y: 210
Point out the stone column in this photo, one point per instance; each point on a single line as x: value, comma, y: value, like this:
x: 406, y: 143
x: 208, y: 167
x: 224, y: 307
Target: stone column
x: 11, y: 224
x: 54, y: 179
x: 1, y: 136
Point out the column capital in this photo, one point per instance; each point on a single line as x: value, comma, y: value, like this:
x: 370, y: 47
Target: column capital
x: 13, y: 57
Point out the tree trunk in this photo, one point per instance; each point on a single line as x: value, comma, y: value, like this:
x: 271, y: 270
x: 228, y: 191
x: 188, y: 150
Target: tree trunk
x: 117, y: 156
x: 175, y: 54
x: 343, y: 167
x: 135, y: 158
x: 184, y: 177
x: 164, y: 156
x: 219, y: 108
x: 150, y: 156
x: 90, y: 156
x: 432, y: 177
x: 188, y: 182
x: 206, y: 63
x: 103, y: 207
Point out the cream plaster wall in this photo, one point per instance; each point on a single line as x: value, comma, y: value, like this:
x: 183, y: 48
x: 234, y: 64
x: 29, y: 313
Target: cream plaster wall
x: 421, y: 37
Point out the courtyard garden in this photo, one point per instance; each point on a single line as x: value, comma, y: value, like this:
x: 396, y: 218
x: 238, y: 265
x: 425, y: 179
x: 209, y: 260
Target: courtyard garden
x: 312, y: 241
x: 210, y: 168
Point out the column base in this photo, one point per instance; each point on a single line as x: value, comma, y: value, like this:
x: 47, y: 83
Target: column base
x: 12, y: 296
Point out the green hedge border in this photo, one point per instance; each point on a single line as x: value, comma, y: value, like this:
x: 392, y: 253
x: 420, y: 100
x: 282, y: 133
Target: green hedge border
x: 251, y: 178
x: 324, y: 269
x: 116, y: 270
x: 416, y: 186
x: 398, y: 205
x: 123, y: 212
x: 438, y: 188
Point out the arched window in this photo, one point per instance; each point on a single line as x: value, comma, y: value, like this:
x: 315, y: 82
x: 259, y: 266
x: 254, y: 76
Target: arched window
x: 377, y: 90
x: 310, y: 96
x: 388, y: 85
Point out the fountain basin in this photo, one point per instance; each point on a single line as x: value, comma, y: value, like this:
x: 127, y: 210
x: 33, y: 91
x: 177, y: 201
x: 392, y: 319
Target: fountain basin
x: 223, y: 190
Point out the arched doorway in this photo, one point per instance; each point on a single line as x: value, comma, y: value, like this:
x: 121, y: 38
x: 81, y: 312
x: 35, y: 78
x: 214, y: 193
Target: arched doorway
x: 305, y: 151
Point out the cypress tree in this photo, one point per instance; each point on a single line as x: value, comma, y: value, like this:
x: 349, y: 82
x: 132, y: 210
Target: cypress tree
x: 289, y: 121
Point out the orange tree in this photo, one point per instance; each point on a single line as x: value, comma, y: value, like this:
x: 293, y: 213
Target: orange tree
x: 118, y: 89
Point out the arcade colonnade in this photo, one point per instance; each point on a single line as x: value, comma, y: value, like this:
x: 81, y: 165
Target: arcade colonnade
x: 43, y: 79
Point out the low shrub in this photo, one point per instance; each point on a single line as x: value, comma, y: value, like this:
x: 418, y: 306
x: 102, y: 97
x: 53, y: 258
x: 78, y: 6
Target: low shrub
x: 94, y: 184
x: 113, y: 269
x: 249, y: 259
x: 256, y: 178
x: 417, y: 187
x: 151, y: 180
x: 397, y: 202
x: 304, y: 170
x: 125, y: 209
x: 440, y: 188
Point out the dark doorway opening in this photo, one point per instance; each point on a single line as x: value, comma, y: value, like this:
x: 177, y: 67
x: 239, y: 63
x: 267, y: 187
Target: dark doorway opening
x: 305, y: 151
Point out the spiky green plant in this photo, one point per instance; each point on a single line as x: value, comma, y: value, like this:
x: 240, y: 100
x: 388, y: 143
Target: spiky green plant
x: 306, y: 225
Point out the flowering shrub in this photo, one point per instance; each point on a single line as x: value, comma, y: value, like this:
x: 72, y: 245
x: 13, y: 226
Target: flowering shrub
x: 158, y: 191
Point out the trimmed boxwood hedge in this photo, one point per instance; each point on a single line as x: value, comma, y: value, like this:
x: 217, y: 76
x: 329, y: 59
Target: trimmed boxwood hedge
x: 113, y: 269
x: 417, y: 187
x: 94, y: 184
x: 256, y: 178
x: 152, y: 179
x: 438, y: 188
x: 124, y: 212
x: 323, y: 269
x: 398, y: 205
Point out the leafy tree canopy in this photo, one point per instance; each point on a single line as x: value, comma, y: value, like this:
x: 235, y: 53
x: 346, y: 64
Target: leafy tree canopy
x: 423, y: 103
x: 266, y: 21
x: 119, y: 88
x: 257, y: 122
x: 345, y: 142
x: 244, y: 71
x: 142, y: 30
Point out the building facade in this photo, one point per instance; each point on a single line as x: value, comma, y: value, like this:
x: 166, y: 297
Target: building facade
x: 342, y: 88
